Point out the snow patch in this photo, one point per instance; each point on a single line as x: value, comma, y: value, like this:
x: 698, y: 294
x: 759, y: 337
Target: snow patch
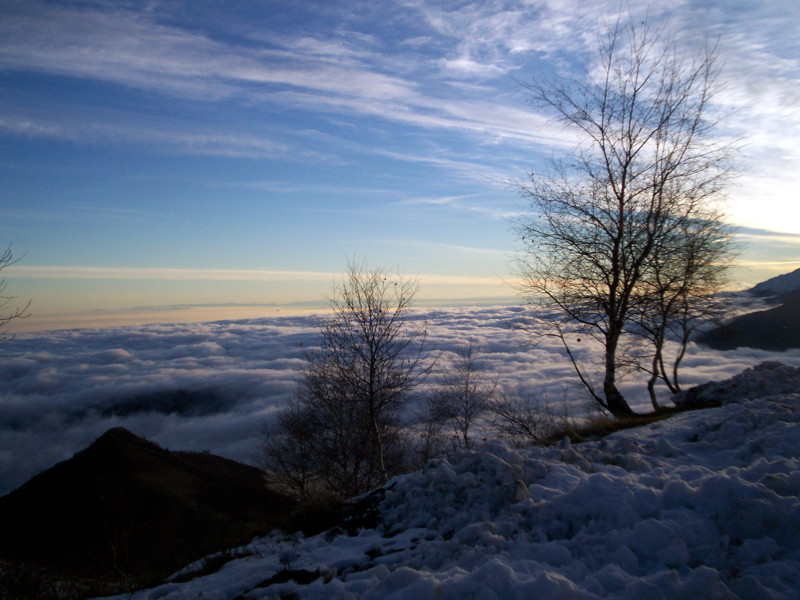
x: 766, y: 379
x: 703, y: 505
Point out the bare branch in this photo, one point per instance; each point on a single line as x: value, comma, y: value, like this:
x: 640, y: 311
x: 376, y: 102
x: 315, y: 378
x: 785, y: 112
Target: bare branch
x: 9, y: 310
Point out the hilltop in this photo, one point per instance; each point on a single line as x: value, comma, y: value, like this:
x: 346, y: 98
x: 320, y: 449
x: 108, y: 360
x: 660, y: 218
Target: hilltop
x: 782, y: 284
x: 125, y: 509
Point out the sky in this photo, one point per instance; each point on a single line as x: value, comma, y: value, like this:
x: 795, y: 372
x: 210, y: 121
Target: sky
x: 167, y: 161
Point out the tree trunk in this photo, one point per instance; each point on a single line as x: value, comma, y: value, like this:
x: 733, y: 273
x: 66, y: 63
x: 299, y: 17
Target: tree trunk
x: 615, y: 401
x: 676, y: 385
x: 651, y: 383
x: 379, y: 440
x: 658, y: 364
x: 374, y: 416
x: 617, y: 405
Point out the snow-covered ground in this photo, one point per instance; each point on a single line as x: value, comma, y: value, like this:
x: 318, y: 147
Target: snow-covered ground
x: 61, y: 390
x: 702, y: 505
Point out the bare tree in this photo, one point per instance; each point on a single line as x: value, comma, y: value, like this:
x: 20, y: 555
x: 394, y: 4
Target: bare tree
x: 372, y: 346
x: 343, y: 428
x: 288, y: 450
x: 680, y: 293
x: 646, y: 167
x: 527, y: 419
x: 464, y: 394
x: 8, y: 309
x: 428, y: 441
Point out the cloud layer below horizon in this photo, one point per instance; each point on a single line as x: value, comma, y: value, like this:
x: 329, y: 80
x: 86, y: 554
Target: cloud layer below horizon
x: 212, y: 386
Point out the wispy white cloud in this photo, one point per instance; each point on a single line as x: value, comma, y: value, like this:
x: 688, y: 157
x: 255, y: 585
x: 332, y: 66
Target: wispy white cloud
x: 131, y: 49
x: 72, y: 272
x: 765, y: 235
x: 477, y: 41
x: 135, y: 273
x: 492, y: 36
x: 436, y: 201
x: 469, y: 203
x: 782, y: 266
x: 79, y: 212
x: 467, y: 169
x: 459, y: 250
x: 167, y: 138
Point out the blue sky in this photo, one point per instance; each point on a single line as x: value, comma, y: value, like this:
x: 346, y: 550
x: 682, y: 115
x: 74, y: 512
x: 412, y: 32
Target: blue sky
x: 163, y: 154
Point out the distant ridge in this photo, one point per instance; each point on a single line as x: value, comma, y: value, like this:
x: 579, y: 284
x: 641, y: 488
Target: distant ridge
x: 127, y: 509
x: 782, y: 284
x: 776, y: 328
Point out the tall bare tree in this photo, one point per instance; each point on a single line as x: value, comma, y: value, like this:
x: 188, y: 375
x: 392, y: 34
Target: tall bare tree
x: 646, y: 166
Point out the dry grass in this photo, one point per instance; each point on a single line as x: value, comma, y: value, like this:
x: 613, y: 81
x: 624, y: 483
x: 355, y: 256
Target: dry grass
x: 601, y: 425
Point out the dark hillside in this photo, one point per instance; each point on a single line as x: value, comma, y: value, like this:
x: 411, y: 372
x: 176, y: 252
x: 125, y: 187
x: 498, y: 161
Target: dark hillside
x: 125, y: 509
x: 777, y: 328
x: 782, y: 284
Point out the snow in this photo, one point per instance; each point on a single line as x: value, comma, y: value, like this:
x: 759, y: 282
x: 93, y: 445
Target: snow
x: 701, y: 505
x: 782, y: 379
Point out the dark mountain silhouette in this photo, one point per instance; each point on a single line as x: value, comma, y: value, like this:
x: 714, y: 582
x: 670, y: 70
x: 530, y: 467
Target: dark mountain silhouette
x: 125, y: 509
x: 782, y: 284
x: 777, y: 328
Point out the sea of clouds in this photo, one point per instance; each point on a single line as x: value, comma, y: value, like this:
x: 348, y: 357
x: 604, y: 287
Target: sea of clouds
x: 212, y: 386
